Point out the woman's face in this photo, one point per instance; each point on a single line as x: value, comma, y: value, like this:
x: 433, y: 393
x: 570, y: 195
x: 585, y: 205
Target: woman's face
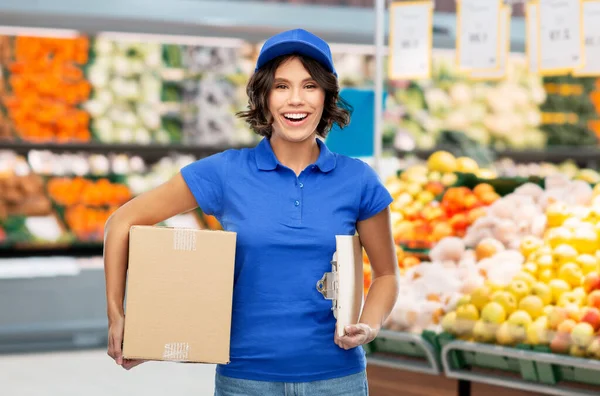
x: 295, y: 102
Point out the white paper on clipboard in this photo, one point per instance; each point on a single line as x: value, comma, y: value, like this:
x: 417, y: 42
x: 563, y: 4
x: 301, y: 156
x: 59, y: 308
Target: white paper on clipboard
x: 344, y: 284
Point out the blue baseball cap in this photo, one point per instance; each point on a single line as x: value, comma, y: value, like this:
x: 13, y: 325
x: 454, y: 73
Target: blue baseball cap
x: 296, y: 41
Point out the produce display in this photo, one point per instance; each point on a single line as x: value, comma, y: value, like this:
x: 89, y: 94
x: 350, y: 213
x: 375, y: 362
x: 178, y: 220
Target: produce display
x: 427, y: 208
x: 44, y: 87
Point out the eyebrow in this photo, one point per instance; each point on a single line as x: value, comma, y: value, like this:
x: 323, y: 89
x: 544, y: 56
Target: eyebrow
x: 287, y: 81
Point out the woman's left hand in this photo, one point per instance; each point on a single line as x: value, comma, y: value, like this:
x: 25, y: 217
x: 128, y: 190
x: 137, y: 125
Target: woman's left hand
x: 357, y: 334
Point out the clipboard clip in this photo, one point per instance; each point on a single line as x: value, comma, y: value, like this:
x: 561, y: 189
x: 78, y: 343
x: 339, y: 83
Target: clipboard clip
x: 328, y: 285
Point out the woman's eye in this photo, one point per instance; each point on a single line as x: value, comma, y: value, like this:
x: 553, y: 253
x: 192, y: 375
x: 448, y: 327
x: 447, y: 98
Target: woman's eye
x: 311, y: 86
x: 280, y: 86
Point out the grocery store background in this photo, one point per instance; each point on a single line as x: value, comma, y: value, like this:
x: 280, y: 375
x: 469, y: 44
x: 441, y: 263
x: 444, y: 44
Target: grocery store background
x: 496, y: 216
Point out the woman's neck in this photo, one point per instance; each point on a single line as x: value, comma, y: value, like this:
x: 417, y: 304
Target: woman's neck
x: 295, y: 155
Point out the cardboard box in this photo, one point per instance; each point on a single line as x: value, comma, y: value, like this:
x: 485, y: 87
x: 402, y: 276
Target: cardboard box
x: 179, y: 294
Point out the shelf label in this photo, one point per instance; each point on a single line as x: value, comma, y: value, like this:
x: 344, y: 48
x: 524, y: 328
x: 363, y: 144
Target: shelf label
x: 591, y: 33
x: 504, y: 53
x: 560, y: 36
x: 478, y: 45
x: 411, y: 31
x: 531, y: 41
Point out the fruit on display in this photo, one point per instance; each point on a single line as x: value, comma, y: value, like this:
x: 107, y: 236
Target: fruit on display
x: 157, y: 173
x: 77, y: 190
x: 520, y: 217
x: 555, y: 294
x: 46, y: 85
x: 458, y: 208
x: 126, y: 103
x: 47, y: 163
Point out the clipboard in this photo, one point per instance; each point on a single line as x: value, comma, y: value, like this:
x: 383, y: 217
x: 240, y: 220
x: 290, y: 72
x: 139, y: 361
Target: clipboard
x: 344, y: 284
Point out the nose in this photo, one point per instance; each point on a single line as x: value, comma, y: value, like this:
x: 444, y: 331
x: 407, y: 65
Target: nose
x: 296, y: 98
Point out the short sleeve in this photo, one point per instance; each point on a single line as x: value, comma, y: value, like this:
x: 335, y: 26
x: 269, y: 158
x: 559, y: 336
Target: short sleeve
x: 205, y: 179
x: 374, y: 196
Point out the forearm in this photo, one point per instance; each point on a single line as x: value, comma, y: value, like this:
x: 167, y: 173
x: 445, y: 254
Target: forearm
x: 116, y: 248
x: 380, y: 301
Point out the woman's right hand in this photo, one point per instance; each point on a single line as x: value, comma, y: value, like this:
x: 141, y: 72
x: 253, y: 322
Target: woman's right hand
x: 115, y: 345
x: 116, y: 329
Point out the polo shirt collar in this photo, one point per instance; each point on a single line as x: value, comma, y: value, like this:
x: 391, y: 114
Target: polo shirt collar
x: 266, y: 159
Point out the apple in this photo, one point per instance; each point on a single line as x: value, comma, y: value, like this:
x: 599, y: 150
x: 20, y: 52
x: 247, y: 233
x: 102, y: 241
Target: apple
x: 557, y: 213
x: 566, y: 326
x: 449, y: 322
x: 558, y: 287
x: 506, y: 299
x: 560, y: 343
x: 585, y: 240
x: 537, y: 332
x: 546, y: 275
x: 587, y: 263
x: 569, y: 298
x: 580, y: 292
x: 562, y: 254
x: 481, y: 296
x: 463, y: 300
x: 545, y: 261
x: 543, y: 291
x: 527, y: 277
x: 531, y: 268
x: 466, y: 315
x: 493, y: 312
x: 530, y: 244
x: 519, y: 288
x: 518, y: 322
x: 591, y: 315
x: 484, y: 332
x: 488, y: 247
x: 574, y: 312
x: 571, y: 273
x: 556, y: 317
x: 504, y: 335
x: 559, y: 236
x: 548, y: 310
x: 593, y: 299
x: 582, y: 334
x: 593, y: 350
x: 533, y: 305
x: 577, y: 351
x: 591, y: 282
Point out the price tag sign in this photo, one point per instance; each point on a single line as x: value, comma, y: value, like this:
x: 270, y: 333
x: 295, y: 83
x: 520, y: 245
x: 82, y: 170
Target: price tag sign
x: 411, y: 31
x: 560, y: 36
x: 500, y: 73
x: 478, y: 45
x: 531, y: 41
x: 591, y: 33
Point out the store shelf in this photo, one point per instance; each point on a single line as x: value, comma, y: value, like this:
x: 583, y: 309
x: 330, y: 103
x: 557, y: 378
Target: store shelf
x: 404, y: 351
x: 250, y: 20
x: 453, y: 356
x: 584, y: 155
x: 150, y: 152
x: 76, y: 250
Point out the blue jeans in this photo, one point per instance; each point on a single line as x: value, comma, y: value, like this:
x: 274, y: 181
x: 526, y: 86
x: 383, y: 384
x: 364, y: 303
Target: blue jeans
x: 351, y: 385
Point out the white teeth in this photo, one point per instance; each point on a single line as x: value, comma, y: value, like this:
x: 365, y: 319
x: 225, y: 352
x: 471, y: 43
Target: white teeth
x: 295, y: 116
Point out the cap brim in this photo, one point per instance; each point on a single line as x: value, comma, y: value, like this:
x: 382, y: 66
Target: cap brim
x: 295, y: 47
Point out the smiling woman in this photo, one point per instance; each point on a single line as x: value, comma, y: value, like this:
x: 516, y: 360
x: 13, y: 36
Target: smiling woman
x: 286, y: 199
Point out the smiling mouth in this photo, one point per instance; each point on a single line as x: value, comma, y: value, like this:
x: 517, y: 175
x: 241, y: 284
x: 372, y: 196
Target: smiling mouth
x: 295, y: 117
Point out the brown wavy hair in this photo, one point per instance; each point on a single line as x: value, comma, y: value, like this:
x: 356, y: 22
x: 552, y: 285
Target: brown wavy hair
x: 335, y: 110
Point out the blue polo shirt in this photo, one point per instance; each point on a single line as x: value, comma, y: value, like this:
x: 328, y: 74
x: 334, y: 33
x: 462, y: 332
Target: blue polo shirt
x: 282, y: 328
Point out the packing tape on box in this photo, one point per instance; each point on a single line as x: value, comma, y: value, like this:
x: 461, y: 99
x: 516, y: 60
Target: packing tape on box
x: 176, y: 351
x: 184, y: 240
